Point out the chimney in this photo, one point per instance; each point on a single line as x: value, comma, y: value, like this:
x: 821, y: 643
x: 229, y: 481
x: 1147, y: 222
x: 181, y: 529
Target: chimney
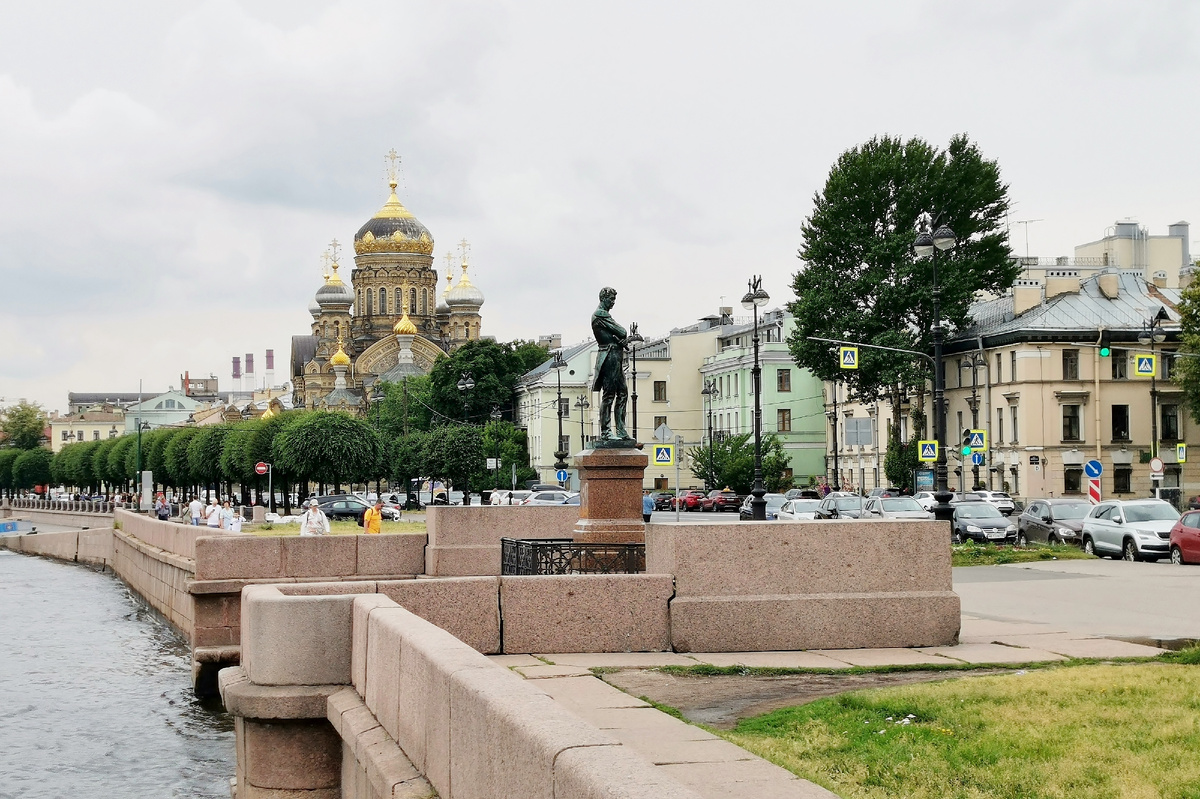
x: 270, y: 368
x: 1061, y: 285
x: 249, y: 386
x: 1027, y: 294
x: 1110, y: 285
x: 237, y: 372
x: 187, y: 383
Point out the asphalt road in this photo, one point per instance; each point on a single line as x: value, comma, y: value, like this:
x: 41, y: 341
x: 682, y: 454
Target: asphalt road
x: 1096, y: 597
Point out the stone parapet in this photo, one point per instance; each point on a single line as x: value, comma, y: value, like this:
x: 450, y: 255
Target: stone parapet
x: 464, y: 541
x: 832, y: 584
x: 178, y: 539
x: 250, y: 557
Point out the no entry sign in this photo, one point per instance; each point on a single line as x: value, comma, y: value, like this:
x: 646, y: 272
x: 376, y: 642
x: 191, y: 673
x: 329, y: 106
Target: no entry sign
x: 261, y: 468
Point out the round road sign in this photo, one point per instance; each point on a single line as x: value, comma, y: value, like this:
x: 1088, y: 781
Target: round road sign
x: 261, y: 468
x: 1093, y: 468
x: 1156, y: 465
x: 562, y: 475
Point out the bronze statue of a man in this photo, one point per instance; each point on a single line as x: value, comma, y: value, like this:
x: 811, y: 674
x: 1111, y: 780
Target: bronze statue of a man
x: 611, y: 339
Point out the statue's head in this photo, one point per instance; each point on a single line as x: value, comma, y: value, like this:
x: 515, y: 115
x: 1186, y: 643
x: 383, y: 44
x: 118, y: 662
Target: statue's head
x: 608, y: 296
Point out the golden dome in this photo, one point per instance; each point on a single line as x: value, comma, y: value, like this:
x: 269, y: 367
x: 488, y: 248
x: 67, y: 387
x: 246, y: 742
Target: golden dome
x: 268, y: 413
x: 340, y: 358
x: 393, y: 229
x: 404, y: 327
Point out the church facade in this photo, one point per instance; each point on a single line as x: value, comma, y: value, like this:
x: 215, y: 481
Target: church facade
x: 389, y: 322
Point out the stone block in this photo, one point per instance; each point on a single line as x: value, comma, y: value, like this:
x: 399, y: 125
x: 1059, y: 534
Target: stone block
x: 765, y: 558
x: 319, y: 555
x: 338, y: 703
x: 586, y: 613
x: 327, y: 588
x: 214, y: 636
x: 294, y: 755
x: 391, y: 554
x: 385, y: 631
x: 815, y: 621
x: 363, y: 605
x: 483, y: 525
x: 613, y: 772
x: 295, y: 640
x: 429, y: 658
x: 466, y: 607
x: 229, y: 557
x: 463, y: 561
x: 247, y: 700
x: 610, y: 485
x: 505, y: 736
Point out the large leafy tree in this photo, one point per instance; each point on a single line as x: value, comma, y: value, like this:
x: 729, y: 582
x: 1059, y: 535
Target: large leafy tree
x: 329, y: 447
x: 495, y: 369
x: 731, y: 459
x: 32, y: 468
x: 454, y: 453
x: 204, y: 454
x: 860, y: 279
x: 7, y: 458
x: 405, y: 407
x: 23, y: 425
x: 175, y: 457
x: 1187, y: 369
x: 406, y: 458
x: 511, y: 445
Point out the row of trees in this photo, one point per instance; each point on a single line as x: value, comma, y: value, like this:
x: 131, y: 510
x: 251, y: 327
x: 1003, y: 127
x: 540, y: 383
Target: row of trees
x: 328, y: 448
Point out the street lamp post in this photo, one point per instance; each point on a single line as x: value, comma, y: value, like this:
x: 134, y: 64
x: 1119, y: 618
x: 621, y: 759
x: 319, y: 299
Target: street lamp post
x: 756, y: 298
x: 496, y: 416
x: 582, y: 404
x: 1152, y: 334
x: 138, y: 468
x: 377, y: 396
x: 560, y: 453
x: 709, y: 391
x: 974, y: 363
x: 465, y: 384
x: 927, y: 246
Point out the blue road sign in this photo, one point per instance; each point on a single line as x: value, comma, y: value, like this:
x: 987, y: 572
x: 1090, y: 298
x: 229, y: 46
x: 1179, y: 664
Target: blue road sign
x: 1145, y: 365
x: 928, y: 451
x: 664, y: 454
x: 1093, y: 469
x: 977, y: 458
x: 978, y: 439
x: 562, y: 475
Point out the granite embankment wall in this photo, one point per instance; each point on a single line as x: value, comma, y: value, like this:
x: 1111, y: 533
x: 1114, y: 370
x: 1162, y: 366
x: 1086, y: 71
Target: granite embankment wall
x: 94, y: 547
x: 357, y: 697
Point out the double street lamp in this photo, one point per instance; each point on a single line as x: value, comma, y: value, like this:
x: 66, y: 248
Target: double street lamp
x: 1152, y: 333
x: 928, y: 245
x: 560, y: 453
x: 710, y: 391
x: 581, y: 405
x: 756, y: 298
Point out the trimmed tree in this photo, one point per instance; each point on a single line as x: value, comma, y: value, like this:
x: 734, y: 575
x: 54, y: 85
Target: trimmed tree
x: 32, y: 467
x: 7, y: 458
x: 329, y: 447
x: 454, y: 453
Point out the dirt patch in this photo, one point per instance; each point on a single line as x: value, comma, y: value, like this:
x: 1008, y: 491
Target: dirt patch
x: 720, y: 701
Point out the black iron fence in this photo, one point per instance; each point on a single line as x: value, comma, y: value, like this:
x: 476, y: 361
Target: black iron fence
x: 565, y: 556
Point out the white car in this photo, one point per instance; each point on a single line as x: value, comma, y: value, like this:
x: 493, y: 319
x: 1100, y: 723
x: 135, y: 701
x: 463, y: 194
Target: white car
x: 925, y: 499
x: 547, y: 498
x: 796, y: 510
x: 1135, y: 529
x: 895, y: 508
x: 997, y: 499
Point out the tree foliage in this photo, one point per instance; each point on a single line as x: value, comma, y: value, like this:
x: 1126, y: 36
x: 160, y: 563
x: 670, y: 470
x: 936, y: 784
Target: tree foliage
x: 329, y: 447
x: 23, y: 425
x: 732, y: 463
x: 7, y: 458
x: 32, y: 467
x: 175, y: 457
x: 454, y: 453
x: 1187, y: 370
x: 860, y: 280
x: 511, y: 445
x: 405, y: 407
x: 494, y: 367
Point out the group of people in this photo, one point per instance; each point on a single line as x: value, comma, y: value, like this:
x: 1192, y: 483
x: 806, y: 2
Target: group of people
x: 314, y: 521
x: 219, y: 516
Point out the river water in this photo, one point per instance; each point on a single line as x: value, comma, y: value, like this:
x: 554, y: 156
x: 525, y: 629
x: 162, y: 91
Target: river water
x: 95, y: 693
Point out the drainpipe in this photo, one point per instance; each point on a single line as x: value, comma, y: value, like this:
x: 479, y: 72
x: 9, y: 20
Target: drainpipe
x: 987, y: 403
x: 1096, y: 386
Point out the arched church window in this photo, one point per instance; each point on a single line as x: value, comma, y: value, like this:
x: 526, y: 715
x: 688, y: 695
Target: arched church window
x: 400, y: 301
x: 370, y: 303
x: 424, y: 301
x: 383, y: 301
x: 467, y: 330
x: 412, y: 298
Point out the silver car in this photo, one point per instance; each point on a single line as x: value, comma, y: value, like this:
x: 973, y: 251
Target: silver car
x: 894, y: 508
x: 998, y: 499
x: 796, y: 510
x: 1134, y: 529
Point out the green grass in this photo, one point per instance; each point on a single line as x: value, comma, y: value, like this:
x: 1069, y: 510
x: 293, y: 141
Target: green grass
x: 1094, y: 731
x: 336, y: 528
x: 973, y: 554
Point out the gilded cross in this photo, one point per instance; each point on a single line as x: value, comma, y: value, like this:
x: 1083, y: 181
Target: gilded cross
x: 392, y: 169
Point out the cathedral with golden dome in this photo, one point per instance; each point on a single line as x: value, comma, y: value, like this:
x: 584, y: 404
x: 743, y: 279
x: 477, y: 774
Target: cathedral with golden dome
x: 390, y: 321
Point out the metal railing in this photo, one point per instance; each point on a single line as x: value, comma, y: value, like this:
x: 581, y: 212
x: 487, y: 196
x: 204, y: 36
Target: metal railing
x: 565, y: 556
x: 82, y: 506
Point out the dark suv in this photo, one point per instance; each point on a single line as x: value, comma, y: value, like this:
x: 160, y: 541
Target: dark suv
x: 720, y: 499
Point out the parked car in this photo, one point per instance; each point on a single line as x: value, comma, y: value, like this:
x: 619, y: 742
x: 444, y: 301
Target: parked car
x: 840, y: 506
x: 925, y: 499
x: 555, y: 497
x: 389, y: 512
x: 341, y: 507
x: 1002, y: 501
x: 980, y: 521
x: 1052, y: 521
x: 662, y: 499
x: 1132, y: 529
x: 798, y: 509
x: 720, y: 499
x: 774, y: 503
x: 885, y: 507
x: 884, y: 492
x: 1185, y: 539
x: 572, y: 499
x: 688, y: 500
x: 802, y: 493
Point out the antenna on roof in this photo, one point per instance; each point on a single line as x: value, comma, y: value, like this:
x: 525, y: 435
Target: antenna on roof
x: 1026, y: 223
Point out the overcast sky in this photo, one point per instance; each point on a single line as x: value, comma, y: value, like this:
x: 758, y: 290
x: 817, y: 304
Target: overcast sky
x: 171, y: 172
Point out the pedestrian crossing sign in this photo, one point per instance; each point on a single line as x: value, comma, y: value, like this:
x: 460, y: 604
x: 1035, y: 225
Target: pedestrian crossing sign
x: 848, y: 357
x: 1145, y: 366
x: 1181, y: 453
x: 664, y: 454
x: 927, y: 451
x: 978, y: 440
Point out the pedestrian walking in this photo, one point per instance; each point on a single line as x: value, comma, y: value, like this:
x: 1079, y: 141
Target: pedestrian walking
x: 373, y: 518
x: 314, y: 521
x: 162, y: 508
x: 226, y: 516
x: 212, y: 516
x: 195, y: 509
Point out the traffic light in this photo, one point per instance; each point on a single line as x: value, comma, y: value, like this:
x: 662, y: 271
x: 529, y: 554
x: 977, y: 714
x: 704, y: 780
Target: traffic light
x: 1105, y: 341
x: 966, y: 443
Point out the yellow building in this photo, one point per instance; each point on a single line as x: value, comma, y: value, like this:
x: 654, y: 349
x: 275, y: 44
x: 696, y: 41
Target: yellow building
x: 87, y: 425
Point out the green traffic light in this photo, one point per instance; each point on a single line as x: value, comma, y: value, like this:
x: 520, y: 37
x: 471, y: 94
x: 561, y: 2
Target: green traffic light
x: 1105, y: 352
x: 966, y: 450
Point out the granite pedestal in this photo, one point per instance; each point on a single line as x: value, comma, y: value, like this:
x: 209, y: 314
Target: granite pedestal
x: 610, y: 496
